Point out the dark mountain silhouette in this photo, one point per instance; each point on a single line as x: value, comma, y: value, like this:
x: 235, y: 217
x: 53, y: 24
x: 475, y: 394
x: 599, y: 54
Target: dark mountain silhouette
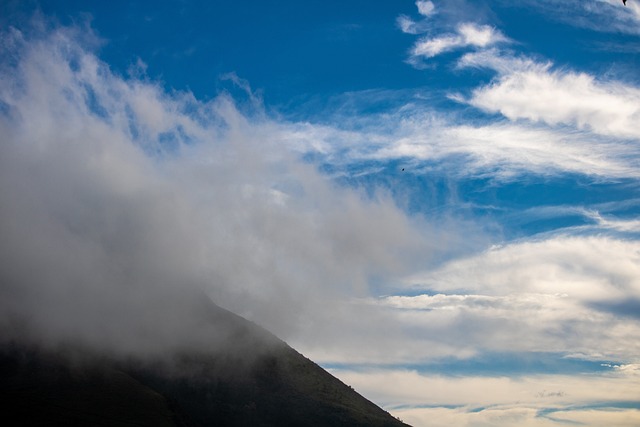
x: 251, y: 378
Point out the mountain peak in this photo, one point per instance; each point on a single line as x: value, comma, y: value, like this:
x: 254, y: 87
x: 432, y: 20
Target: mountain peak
x: 247, y: 378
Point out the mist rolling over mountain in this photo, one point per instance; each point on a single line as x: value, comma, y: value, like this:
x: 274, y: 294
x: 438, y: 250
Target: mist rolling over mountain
x: 248, y: 378
x: 114, y: 243
x: 119, y: 203
x: 435, y: 201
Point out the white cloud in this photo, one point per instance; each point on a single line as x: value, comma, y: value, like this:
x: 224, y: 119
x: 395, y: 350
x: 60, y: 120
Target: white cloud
x: 520, y: 302
x: 425, y: 7
x: 587, y: 268
x: 520, y: 416
x: 500, y: 62
x: 494, y: 417
x: 565, y: 295
x: 408, y: 25
x: 439, y: 400
x: 621, y: 225
x: 467, y: 35
x: 532, y: 91
x: 562, y: 293
x: 552, y: 126
x: 480, y: 36
x: 435, y: 46
x: 614, y: 417
x: 608, y: 16
x: 540, y: 136
x: 505, y: 151
x: 501, y: 150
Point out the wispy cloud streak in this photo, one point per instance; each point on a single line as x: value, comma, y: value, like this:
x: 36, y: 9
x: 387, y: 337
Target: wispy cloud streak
x: 533, y: 91
x: 466, y: 35
x: 608, y: 16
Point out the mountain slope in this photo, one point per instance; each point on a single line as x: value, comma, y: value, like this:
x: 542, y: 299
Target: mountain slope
x: 249, y: 378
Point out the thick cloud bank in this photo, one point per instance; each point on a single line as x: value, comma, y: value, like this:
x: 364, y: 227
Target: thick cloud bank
x: 119, y: 199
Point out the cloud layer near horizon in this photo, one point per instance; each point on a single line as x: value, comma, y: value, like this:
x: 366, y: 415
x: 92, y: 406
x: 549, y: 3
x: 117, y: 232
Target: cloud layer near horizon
x: 531, y: 400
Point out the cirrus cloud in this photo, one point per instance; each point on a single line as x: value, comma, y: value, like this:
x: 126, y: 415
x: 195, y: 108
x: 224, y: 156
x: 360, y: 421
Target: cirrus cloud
x: 466, y: 35
x: 528, y: 90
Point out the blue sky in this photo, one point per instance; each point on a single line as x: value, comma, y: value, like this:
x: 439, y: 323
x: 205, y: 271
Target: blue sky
x: 436, y: 200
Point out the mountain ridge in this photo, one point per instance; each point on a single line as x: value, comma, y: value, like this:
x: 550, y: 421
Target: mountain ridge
x: 250, y: 378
